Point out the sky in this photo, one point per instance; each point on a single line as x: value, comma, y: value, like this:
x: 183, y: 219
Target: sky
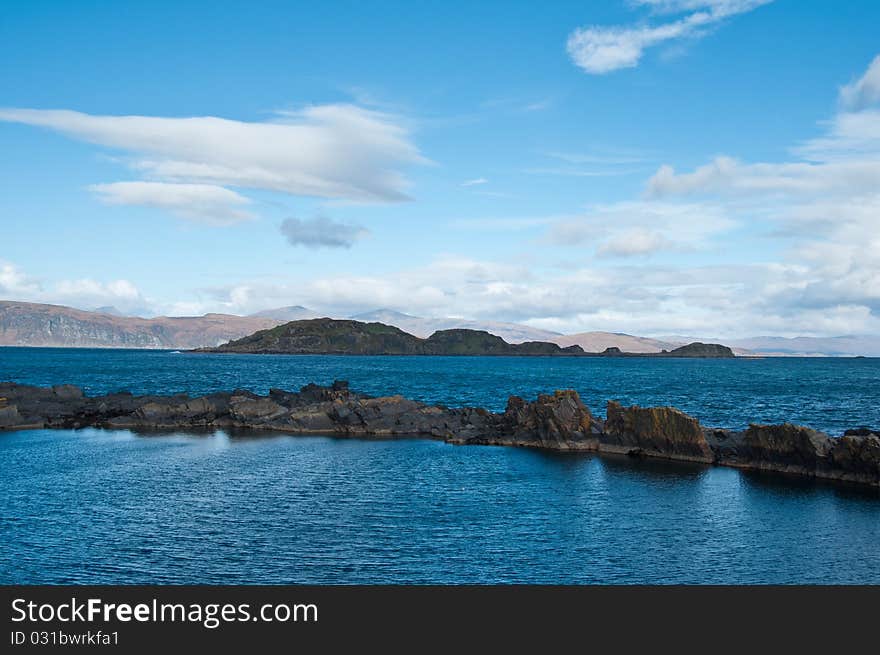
x: 655, y: 167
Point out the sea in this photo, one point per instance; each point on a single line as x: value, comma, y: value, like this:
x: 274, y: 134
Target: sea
x: 98, y: 506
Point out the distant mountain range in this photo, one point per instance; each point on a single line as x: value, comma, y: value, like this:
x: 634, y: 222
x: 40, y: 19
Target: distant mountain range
x: 33, y: 324
x: 286, y: 314
x: 853, y: 345
x: 425, y: 327
x: 599, y: 341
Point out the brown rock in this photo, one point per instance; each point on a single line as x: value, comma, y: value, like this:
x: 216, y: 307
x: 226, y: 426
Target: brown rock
x: 154, y: 412
x: 560, y: 422
x: 789, y: 445
x: 856, y: 458
x: 243, y: 408
x: 9, y: 416
x: 654, y: 431
x: 67, y: 392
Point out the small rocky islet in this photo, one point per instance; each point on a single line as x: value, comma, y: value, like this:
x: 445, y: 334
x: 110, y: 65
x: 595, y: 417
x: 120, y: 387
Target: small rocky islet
x: 558, y: 421
x: 328, y: 336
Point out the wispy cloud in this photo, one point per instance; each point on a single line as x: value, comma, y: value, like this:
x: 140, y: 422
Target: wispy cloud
x: 321, y: 232
x: 642, y: 228
x: 205, y: 203
x: 611, y: 157
x: 599, y: 49
x: 579, y: 172
x: 601, y: 163
x: 340, y: 152
x: 514, y: 104
x: 493, y: 194
x: 539, y: 105
x: 475, y: 182
x: 865, y: 91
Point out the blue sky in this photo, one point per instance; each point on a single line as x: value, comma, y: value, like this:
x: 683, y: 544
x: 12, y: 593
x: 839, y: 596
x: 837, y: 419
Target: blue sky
x: 649, y: 166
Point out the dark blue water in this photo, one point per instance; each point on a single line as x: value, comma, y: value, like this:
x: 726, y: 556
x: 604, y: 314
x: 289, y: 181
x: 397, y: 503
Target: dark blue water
x: 96, y: 506
x: 104, y: 507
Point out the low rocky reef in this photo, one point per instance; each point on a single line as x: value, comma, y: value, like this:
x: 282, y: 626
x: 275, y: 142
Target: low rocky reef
x: 557, y: 422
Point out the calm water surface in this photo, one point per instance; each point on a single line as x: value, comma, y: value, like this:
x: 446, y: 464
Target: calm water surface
x: 93, y: 506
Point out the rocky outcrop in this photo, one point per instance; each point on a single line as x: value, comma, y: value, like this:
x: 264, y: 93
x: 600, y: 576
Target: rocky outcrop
x: 861, y: 432
x: 559, y: 421
x: 787, y: 447
x: 313, y: 410
x: 9, y: 416
x: 325, y: 336
x: 855, y: 459
x: 803, y: 451
x: 656, y: 432
x: 347, y: 337
x: 697, y: 349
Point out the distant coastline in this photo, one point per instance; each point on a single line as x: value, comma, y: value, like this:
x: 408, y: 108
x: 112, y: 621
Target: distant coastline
x: 37, y: 325
x: 326, y: 336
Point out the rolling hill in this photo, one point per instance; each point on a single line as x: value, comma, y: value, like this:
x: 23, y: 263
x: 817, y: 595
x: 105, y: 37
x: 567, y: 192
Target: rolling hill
x: 596, y: 342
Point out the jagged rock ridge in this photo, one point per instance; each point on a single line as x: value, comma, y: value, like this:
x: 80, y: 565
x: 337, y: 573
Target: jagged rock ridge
x: 558, y: 422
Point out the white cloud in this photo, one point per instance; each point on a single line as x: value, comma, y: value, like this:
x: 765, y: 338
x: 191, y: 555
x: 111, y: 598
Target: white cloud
x: 117, y: 290
x: 725, y: 175
x: 844, y: 161
x: 14, y: 283
x: 643, y: 228
x: 850, y: 136
x: 599, y: 49
x: 321, y: 232
x: 718, y: 6
x: 865, y: 91
x: 80, y: 293
x: 475, y: 182
x: 200, y: 202
x: 825, y: 205
x: 635, y: 242
x: 327, y: 151
x: 614, y: 157
x: 730, y: 300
